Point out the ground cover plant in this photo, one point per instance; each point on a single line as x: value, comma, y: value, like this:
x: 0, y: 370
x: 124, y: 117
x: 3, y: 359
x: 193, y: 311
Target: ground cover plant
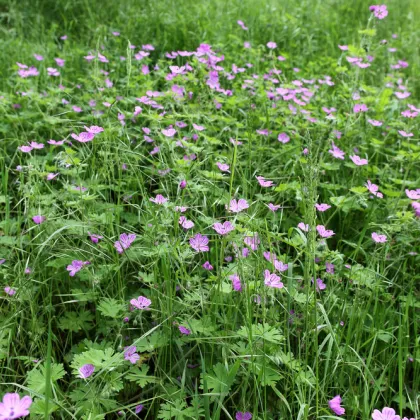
x: 209, y: 211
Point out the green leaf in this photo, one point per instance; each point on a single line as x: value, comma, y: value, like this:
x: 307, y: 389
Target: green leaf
x: 76, y: 321
x: 263, y: 332
x: 37, y: 377
x: 139, y: 376
x: 111, y: 307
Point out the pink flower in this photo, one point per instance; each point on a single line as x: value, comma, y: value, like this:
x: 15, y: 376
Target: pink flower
x: 185, y: 223
x: 303, y: 227
x: 375, y: 123
x: 169, y: 132
x: 373, y: 189
x: 242, y: 25
x: 9, y: 291
x: 13, y: 407
x: 413, y: 194
x: 86, y: 370
x: 272, y: 280
x: 138, y: 408
x: 182, y: 184
x: 271, y: 45
x: 360, y: 108
x: 335, y: 406
x: 25, y: 149
x: 283, y: 138
x: 243, y: 416
x: 141, y: 302
x: 252, y: 241
x: 323, y: 232
x: 94, y: 129
x: 223, y: 229
x: 83, y: 137
x: 223, y: 166
x: 357, y: 160
x: 36, y: 145
x: 238, y: 206
x: 280, y: 266
x: 402, y: 95
x: 76, y: 266
x: 94, y: 238
x: 77, y: 108
x: 274, y: 207
x: 124, y: 242
x: 160, y: 199
x: 320, y: 285
x: 207, y: 266
x: 379, y: 238
x: 336, y: 152
x: 263, y: 182
x: 322, y: 207
x: 38, y: 57
x: 343, y: 47
x: 184, y: 330
x: 51, y: 176
x: 236, y: 282
x: 198, y: 127
x: 38, y: 219
x: 405, y: 134
x: 199, y: 243
x: 131, y: 355
x: 56, y: 143
x: 380, y: 12
x: 53, y: 72
x: 386, y: 414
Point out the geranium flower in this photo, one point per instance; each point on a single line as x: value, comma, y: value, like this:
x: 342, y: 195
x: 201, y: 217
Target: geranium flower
x: 9, y: 291
x: 94, y: 129
x: 141, y: 302
x: 373, y: 189
x: 378, y: 238
x: 335, y: 405
x: 272, y: 280
x: 379, y: 12
x: 36, y: 145
x: 76, y: 266
x: 375, y: 123
x: 357, y: 160
x: 86, y: 370
x: 387, y: 413
x: 272, y: 45
x: 38, y: 219
x: 185, y: 223
x: 263, y: 182
x: 131, y: 355
x: 405, y: 134
x: 184, y: 330
x: 94, y: 238
x: 360, y: 108
x: 252, y: 241
x: 320, y: 285
x: 242, y: 25
x: 238, y: 206
x: 243, y: 416
x: 14, y: 407
x: 138, y: 408
x: 223, y: 228
x: 323, y: 232
x: 83, y: 137
x: 224, y: 167
x: 207, y: 266
x: 283, y: 138
x: 25, y: 149
x: 236, y: 282
x: 169, y: 132
x: 303, y: 227
x: 413, y: 194
x: 160, y: 199
x: 124, y: 242
x: 322, y: 207
x: 199, y: 243
x: 280, y: 266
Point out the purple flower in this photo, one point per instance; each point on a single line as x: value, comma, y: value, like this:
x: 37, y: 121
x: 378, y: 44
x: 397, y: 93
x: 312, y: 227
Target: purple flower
x: 94, y: 129
x: 360, y: 108
x: 373, y: 189
x: 413, y: 194
x: 185, y: 223
x: 76, y: 266
x: 38, y: 219
x: 124, y: 242
x: 223, y: 166
x: 386, y: 414
x: 283, y: 138
x: 51, y: 176
x: 207, y: 266
x: 329, y: 267
x: 160, y: 199
x: 238, y: 206
x: 83, y: 137
x: 320, y: 285
x: 252, y: 241
x: 184, y: 330
x: 322, y: 207
x: 236, y: 282
x: 13, y: 407
x: 169, y: 132
x: 94, y: 238
x: 223, y: 229
x: 357, y: 160
x: 263, y: 182
x: 324, y: 232
x: 271, y: 45
x: 378, y: 238
x: 182, y: 184
x: 242, y: 25
x: 141, y: 302
x: 86, y: 370
x: 379, y: 12
x: 199, y: 243
x: 138, y: 408
x: 243, y: 416
x: 274, y: 207
x: 131, y: 355
x: 280, y: 266
x: 272, y: 280
x: 335, y: 406
x: 9, y: 291
x: 303, y: 227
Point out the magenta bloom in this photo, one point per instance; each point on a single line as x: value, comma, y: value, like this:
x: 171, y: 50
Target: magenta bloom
x: 335, y: 406
x: 94, y: 238
x: 280, y: 266
x: 160, y: 199
x: 243, y: 416
x: 252, y: 241
x: 25, y: 149
x: 379, y: 238
x: 182, y: 184
x: 303, y: 227
x: 357, y: 160
x: 38, y: 57
x: 76, y: 266
x: 242, y: 25
x: 236, y: 282
x: 360, y: 108
x: 199, y: 243
x: 169, y: 132
x: 375, y: 123
x: 320, y: 285
x: 124, y: 242
x: 184, y: 330
x: 223, y: 228
x: 38, y: 219
x: 283, y: 138
x: 380, y: 12
x: 141, y: 302
x: 405, y: 134
x: 13, y: 407
x: 131, y: 355
x: 336, y: 152
x: 323, y: 232
x: 36, y: 145
x: 263, y: 182
x: 274, y: 207
x: 413, y: 194
x: 83, y: 137
x: 272, y: 280
x: 322, y: 207
x: 238, y: 206
x: 138, y: 408
x: 51, y: 176
x: 207, y: 266
x: 373, y: 189
x: 53, y: 72
x: 386, y: 414
x: 223, y: 166
x: 272, y: 45
x: 185, y: 223
x: 94, y: 129
x: 9, y: 291
x: 86, y: 370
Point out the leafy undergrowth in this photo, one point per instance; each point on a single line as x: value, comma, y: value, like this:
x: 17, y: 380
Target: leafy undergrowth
x: 201, y: 234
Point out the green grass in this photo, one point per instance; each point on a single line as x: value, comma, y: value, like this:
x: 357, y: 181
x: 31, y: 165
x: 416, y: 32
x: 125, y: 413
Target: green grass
x: 275, y: 353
